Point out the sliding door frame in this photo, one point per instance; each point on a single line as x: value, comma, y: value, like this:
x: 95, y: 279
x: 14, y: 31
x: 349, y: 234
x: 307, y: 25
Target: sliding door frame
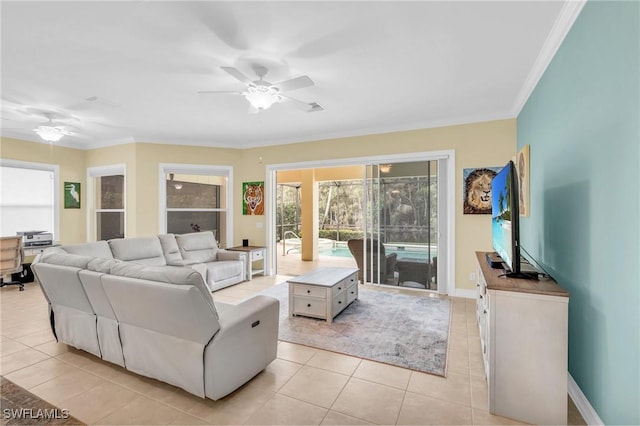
x: 448, y: 206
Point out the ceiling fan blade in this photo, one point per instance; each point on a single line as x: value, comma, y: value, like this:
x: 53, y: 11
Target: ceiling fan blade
x: 222, y: 20
x: 294, y: 84
x: 237, y: 74
x: 307, y: 107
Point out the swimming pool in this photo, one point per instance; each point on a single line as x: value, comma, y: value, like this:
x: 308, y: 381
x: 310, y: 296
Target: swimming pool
x: 331, y: 248
x: 413, y: 252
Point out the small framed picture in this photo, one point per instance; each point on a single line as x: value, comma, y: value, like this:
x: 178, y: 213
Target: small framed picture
x: 522, y: 165
x: 252, y: 198
x: 72, y: 195
x: 477, y: 189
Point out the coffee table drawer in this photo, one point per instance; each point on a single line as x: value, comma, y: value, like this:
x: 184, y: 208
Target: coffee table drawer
x: 352, y: 293
x: 309, y: 306
x: 309, y: 290
x: 339, y: 288
x: 339, y: 302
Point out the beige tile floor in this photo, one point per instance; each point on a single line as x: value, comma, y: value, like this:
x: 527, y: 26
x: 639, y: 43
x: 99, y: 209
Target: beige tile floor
x: 302, y: 386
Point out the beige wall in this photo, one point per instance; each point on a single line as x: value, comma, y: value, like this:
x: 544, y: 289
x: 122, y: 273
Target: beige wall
x: 476, y: 145
x: 72, y: 169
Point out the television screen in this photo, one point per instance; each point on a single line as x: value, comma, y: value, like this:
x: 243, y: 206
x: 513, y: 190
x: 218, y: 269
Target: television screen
x: 505, y: 216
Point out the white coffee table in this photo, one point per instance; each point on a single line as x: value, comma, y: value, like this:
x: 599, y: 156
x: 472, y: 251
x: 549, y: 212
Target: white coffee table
x: 323, y: 292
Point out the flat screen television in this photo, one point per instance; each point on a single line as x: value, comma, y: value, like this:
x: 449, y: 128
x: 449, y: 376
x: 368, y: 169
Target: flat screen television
x: 505, y: 221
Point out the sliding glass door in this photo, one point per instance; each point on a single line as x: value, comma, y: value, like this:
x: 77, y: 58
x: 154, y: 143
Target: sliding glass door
x: 402, y: 224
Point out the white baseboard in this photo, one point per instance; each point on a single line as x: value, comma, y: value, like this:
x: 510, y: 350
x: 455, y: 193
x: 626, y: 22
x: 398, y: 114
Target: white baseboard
x: 466, y: 293
x: 582, y: 403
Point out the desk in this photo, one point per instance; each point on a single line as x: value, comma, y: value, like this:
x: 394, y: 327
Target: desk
x: 255, y: 254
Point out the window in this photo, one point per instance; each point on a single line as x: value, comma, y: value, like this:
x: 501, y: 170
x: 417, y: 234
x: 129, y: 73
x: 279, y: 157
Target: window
x: 28, y: 197
x: 194, y: 199
x: 107, y: 219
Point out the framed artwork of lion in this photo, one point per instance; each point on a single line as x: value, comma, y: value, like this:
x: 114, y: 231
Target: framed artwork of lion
x: 253, y: 198
x: 477, y: 189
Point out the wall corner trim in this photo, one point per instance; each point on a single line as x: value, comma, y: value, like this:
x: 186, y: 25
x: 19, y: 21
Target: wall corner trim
x: 582, y: 403
x: 564, y: 22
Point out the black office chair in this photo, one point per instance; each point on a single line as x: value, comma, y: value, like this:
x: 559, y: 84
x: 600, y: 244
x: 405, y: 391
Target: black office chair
x: 10, y: 260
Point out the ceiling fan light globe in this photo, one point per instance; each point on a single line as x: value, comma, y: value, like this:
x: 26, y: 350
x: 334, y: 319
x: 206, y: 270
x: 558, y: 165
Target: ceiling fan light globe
x: 261, y: 99
x: 50, y: 133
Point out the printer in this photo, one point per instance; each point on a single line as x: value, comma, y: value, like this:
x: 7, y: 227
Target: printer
x: 36, y: 238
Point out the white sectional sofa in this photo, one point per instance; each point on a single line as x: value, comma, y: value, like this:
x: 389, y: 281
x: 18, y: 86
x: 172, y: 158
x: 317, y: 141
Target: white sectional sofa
x: 124, y: 302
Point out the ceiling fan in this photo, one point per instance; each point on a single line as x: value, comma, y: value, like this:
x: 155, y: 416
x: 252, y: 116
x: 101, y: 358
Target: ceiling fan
x: 51, y: 131
x: 262, y: 95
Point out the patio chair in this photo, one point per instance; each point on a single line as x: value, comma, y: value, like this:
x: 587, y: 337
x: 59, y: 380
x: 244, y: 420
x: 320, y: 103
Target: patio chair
x: 10, y: 260
x: 387, y: 267
x: 424, y: 273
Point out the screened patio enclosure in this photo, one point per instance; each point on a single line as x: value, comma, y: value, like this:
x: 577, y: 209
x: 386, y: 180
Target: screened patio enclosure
x: 395, y: 204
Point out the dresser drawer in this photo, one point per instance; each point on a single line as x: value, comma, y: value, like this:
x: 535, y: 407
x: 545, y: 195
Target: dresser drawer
x: 257, y: 255
x: 309, y: 306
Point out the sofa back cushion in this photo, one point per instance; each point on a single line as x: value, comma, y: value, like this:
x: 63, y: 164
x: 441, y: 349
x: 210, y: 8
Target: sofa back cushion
x: 57, y: 256
x: 170, y: 247
x: 95, y: 249
x: 198, y: 246
x: 166, y: 274
x: 143, y: 250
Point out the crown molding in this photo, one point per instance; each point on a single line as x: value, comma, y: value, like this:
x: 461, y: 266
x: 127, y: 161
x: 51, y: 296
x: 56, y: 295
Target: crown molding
x: 568, y: 15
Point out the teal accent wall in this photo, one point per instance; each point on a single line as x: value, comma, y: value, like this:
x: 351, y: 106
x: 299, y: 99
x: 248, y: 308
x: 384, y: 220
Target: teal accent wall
x: 582, y: 123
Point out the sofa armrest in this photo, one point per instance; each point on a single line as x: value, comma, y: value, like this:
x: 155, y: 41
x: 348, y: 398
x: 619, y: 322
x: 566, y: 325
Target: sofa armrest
x: 235, y: 317
x: 231, y: 255
x: 245, y: 344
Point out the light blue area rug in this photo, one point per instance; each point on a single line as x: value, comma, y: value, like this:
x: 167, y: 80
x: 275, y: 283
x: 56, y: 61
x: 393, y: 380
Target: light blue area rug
x: 398, y: 329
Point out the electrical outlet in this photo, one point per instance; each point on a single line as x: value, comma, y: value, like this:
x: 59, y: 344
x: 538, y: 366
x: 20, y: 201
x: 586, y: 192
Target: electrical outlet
x: 472, y: 276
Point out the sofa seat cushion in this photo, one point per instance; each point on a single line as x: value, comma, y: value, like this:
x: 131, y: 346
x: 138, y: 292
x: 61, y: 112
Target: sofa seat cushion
x: 223, y: 269
x: 143, y: 250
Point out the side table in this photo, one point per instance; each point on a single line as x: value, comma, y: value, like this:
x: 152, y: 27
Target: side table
x: 254, y: 254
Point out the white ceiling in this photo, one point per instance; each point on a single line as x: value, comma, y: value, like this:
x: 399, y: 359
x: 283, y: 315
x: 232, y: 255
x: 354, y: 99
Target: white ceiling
x: 121, y: 72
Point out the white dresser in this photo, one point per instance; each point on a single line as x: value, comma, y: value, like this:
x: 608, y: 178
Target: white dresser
x: 323, y: 292
x: 523, y: 333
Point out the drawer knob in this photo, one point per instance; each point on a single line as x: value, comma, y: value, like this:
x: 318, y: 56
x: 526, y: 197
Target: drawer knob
x: 308, y: 291
x: 339, y: 288
x: 339, y: 302
x: 485, y: 311
x: 353, y: 292
x: 308, y: 305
